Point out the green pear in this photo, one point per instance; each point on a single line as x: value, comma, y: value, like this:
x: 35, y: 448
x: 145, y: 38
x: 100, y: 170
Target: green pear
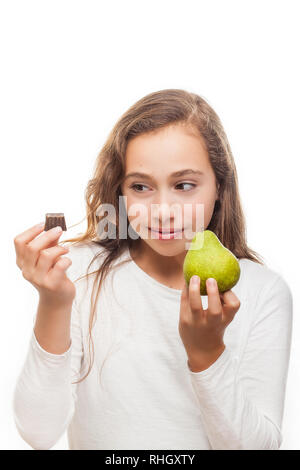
x: 207, y: 257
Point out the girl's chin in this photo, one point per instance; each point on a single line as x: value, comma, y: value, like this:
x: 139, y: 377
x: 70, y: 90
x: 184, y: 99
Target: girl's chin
x: 171, y: 248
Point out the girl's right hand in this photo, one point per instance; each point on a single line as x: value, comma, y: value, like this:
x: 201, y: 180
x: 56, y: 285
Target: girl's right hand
x: 42, y: 265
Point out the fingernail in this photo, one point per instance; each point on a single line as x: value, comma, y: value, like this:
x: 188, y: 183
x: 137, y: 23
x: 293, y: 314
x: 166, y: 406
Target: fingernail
x: 211, y: 282
x: 57, y: 229
x: 40, y: 225
x: 195, y: 279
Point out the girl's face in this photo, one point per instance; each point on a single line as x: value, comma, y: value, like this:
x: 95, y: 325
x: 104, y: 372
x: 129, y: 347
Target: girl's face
x: 171, y: 200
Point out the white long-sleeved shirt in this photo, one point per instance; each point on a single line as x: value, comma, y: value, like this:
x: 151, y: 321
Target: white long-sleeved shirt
x: 148, y: 398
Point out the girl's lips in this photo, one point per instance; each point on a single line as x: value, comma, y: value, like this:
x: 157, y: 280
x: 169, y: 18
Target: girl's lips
x: 165, y: 231
x: 165, y: 235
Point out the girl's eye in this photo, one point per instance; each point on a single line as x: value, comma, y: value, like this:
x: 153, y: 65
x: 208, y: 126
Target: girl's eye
x: 191, y: 184
x: 136, y: 186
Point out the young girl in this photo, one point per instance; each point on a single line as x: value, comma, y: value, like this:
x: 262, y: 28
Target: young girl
x: 127, y: 356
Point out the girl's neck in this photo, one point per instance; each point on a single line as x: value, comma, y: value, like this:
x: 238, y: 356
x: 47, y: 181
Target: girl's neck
x: 167, y: 270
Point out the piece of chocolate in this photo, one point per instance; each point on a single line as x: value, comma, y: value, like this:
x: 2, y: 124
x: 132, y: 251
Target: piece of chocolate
x: 54, y: 220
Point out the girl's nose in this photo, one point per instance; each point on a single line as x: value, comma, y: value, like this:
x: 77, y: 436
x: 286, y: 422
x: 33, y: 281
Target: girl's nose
x: 165, y: 208
x: 163, y: 214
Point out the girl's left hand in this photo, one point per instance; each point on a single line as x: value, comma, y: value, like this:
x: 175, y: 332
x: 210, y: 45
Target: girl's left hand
x: 202, y: 331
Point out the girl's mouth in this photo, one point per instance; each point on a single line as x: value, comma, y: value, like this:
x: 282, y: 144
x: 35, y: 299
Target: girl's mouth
x: 165, y: 234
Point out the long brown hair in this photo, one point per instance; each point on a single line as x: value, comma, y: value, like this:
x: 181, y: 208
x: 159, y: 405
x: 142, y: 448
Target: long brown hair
x: 152, y: 112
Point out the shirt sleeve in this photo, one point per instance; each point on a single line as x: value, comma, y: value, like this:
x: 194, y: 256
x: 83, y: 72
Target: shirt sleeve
x: 241, y: 399
x: 44, y: 396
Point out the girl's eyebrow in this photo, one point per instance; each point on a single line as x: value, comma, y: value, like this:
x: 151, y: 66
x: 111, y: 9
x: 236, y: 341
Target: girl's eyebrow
x: 176, y: 174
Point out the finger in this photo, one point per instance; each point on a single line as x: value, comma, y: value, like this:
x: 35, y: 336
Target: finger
x: 59, y: 269
x: 231, y: 305
x: 32, y: 249
x: 194, y: 295
x: 47, y: 238
x: 48, y: 258
x: 214, y: 310
x: 25, y: 237
x: 230, y: 299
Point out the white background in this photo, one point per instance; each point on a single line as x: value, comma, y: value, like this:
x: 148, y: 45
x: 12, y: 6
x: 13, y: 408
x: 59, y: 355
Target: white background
x: 69, y: 69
